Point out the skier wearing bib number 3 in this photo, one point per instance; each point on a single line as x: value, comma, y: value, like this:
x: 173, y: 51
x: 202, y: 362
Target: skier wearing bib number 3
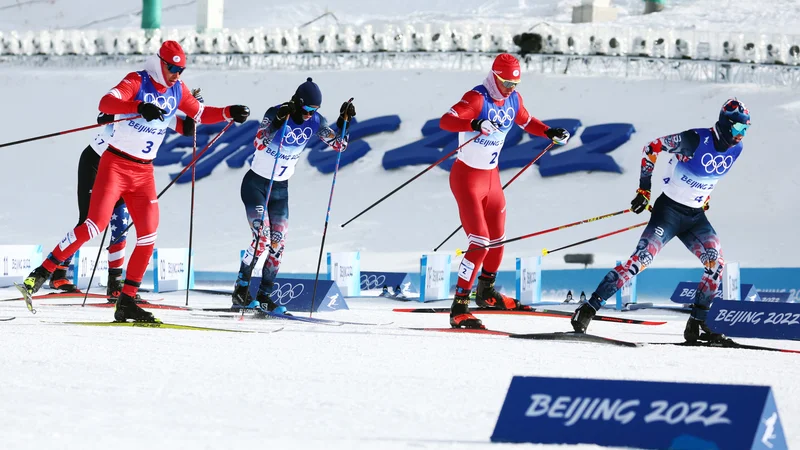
x: 700, y: 158
x: 488, y: 111
x: 150, y: 97
x: 284, y: 133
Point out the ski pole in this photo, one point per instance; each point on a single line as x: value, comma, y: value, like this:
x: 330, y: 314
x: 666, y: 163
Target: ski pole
x: 504, y: 187
x: 96, y: 259
x: 257, y: 248
x: 328, y: 213
x: 546, y: 252
x: 191, y: 218
x: 412, y: 179
x: 549, y: 230
x: 189, y: 166
x: 61, y: 133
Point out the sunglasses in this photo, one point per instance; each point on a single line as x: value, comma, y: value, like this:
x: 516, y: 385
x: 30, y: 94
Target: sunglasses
x: 739, y: 128
x: 310, y: 109
x: 172, y: 68
x: 508, y: 84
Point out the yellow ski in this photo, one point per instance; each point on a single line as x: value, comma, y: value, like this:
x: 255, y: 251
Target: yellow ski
x: 172, y: 326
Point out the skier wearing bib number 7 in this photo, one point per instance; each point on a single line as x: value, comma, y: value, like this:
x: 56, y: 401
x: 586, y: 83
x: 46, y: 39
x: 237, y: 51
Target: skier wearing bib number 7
x: 151, y: 98
x: 284, y: 133
x: 488, y: 111
x: 699, y: 159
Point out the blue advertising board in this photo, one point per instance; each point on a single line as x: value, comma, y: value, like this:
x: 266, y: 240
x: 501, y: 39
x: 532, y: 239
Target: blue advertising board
x: 640, y: 414
x: 296, y: 294
x: 765, y: 320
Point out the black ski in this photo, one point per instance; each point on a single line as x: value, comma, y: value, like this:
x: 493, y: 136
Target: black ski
x: 725, y: 344
x: 532, y: 312
x: 575, y: 337
x: 6, y: 319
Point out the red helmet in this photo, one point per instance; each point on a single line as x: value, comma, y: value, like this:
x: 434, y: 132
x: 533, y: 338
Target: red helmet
x: 172, y: 53
x: 506, y: 67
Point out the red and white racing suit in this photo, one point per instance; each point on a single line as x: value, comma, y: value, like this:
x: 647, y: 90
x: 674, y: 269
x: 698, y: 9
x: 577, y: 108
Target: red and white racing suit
x: 475, y: 178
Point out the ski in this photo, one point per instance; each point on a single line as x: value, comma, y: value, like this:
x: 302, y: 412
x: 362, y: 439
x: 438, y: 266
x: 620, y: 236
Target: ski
x: 463, y: 330
x: 533, y: 312
x: 260, y: 315
x: 26, y: 296
x: 575, y: 337
x: 727, y: 344
x: 172, y: 326
x: 142, y: 303
x: 76, y: 294
x: 6, y: 319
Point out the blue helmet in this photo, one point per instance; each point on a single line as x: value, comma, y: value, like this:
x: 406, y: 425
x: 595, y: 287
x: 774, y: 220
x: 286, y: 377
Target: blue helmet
x: 734, y: 120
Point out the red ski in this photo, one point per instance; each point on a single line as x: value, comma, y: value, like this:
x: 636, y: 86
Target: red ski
x: 533, y: 312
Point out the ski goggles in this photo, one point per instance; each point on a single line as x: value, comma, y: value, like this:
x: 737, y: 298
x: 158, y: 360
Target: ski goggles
x: 310, y: 109
x: 508, y: 84
x: 738, y: 129
x: 172, y: 68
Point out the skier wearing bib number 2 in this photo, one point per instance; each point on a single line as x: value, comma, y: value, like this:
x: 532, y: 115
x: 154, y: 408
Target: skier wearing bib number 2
x: 488, y: 111
x: 285, y: 132
x: 699, y: 159
x: 150, y: 97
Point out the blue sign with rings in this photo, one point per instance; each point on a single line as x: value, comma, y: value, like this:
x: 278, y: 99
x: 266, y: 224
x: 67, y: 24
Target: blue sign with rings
x: 296, y: 294
x: 640, y: 414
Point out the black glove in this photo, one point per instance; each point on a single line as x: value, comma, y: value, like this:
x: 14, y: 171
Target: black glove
x: 558, y: 135
x: 347, y: 109
x: 104, y: 118
x: 188, y: 126
x: 640, y: 202
x: 150, y: 111
x: 239, y: 113
x: 286, y: 110
x: 484, y: 126
x: 196, y: 94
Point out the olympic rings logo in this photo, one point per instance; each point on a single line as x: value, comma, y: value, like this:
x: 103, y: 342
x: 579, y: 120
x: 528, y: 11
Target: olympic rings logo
x: 285, y: 293
x: 166, y: 103
x: 298, y: 136
x: 372, y: 281
x: 504, y: 117
x: 716, y: 164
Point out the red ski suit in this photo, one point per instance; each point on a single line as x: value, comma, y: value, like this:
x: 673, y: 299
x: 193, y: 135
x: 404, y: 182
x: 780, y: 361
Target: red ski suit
x: 475, y: 178
x: 126, y: 169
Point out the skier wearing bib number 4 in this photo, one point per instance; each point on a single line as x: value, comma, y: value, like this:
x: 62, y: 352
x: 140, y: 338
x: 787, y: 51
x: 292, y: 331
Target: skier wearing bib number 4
x: 486, y: 113
x: 699, y: 159
x: 284, y: 133
x: 151, y: 98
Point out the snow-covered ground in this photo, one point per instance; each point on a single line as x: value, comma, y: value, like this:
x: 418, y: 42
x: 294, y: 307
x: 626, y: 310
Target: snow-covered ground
x: 315, y: 386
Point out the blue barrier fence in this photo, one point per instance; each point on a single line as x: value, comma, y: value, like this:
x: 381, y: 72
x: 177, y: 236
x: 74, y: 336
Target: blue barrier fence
x: 653, y: 284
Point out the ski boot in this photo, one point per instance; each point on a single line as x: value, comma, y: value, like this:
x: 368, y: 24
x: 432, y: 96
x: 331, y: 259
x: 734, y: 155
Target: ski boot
x: 128, y: 309
x: 460, y: 317
x: 36, y: 279
x: 398, y: 293
x: 266, y: 304
x: 59, y: 281
x: 486, y: 296
x: 114, y: 287
x: 568, y: 298
x: 585, y: 313
x: 697, y: 330
x: 385, y: 292
x: 242, y: 299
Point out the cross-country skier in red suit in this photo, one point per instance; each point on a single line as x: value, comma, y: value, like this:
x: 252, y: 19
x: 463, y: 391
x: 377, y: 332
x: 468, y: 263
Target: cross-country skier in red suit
x: 126, y: 167
x: 489, y: 111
